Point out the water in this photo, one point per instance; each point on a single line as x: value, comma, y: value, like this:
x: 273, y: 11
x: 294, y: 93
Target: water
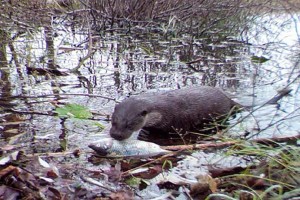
x: 125, y: 64
x: 279, y: 43
x: 113, y: 65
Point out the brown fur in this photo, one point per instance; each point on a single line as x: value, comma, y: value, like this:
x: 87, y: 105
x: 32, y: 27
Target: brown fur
x: 183, y: 109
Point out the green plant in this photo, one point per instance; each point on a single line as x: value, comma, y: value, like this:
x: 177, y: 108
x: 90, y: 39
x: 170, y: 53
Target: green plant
x: 73, y: 111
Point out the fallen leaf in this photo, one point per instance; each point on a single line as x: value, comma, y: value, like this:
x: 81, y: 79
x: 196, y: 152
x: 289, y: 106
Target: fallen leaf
x: 48, y: 180
x: 15, y: 155
x: 259, y: 59
x: 53, y: 173
x: 4, y: 160
x: 122, y: 195
x: 43, y: 163
x: 55, y: 192
x: 7, y: 170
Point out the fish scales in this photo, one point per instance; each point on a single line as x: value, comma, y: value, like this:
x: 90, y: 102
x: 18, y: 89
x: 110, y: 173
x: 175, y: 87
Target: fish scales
x: 110, y: 147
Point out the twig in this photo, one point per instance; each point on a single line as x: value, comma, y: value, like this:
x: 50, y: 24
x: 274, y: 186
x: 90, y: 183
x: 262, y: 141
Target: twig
x: 221, y: 145
x: 150, y: 162
x: 218, y: 145
x: 273, y: 140
x: 164, y: 196
x: 92, y: 181
x: 288, y: 116
x: 62, y: 94
x: 90, y: 50
x: 53, y: 154
x: 28, y: 112
x: 194, y: 61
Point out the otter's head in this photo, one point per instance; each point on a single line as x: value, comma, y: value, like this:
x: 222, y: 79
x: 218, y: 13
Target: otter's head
x: 129, y: 116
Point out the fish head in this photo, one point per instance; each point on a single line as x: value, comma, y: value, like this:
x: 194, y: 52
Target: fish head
x: 103, y: 146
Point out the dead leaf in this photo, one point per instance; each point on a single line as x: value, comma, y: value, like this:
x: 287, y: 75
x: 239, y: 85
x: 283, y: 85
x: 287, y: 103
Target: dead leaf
x: 4, y: 160
x: 207, y: 179
x: 205, y: 186
x: 200, y: 190
x: 55, y: 192
x: 122, y: 195
x: 213, y: 185
x: 147, y: 173
x: 8, y: 170
x: 43, y: 163
x: 53, y: 173
x: 14, y: 155
x: 48, y: 180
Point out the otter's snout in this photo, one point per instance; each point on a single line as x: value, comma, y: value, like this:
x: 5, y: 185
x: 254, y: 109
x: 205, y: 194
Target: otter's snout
x: 119, y: 135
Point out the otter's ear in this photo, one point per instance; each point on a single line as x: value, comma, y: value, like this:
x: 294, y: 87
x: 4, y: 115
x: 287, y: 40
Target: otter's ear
x: 144, y: 113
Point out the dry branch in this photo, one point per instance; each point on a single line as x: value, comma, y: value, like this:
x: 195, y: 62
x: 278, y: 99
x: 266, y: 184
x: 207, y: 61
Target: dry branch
x: 220, y: 145
x: 60, y: 95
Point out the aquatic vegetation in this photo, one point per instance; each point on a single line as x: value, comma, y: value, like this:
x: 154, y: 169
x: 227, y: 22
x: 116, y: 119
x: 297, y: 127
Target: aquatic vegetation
x: 73, y: 111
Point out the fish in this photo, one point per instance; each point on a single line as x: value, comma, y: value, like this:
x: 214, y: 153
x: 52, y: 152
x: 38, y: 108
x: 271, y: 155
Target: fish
x: 109, y: 147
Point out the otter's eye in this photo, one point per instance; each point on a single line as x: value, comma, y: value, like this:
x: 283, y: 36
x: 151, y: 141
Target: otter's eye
x: 144, y: 113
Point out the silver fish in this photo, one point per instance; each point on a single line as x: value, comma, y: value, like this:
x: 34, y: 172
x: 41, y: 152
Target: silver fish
x: 109, y: 147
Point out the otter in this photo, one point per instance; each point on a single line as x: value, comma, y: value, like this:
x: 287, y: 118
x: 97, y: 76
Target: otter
x: 168, y: 112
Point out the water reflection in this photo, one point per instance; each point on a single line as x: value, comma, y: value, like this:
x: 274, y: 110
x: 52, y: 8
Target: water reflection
x: 121, y: 65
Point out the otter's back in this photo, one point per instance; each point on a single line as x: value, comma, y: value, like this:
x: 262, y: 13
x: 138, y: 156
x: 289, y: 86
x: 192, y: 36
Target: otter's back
x: 185, y: 108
